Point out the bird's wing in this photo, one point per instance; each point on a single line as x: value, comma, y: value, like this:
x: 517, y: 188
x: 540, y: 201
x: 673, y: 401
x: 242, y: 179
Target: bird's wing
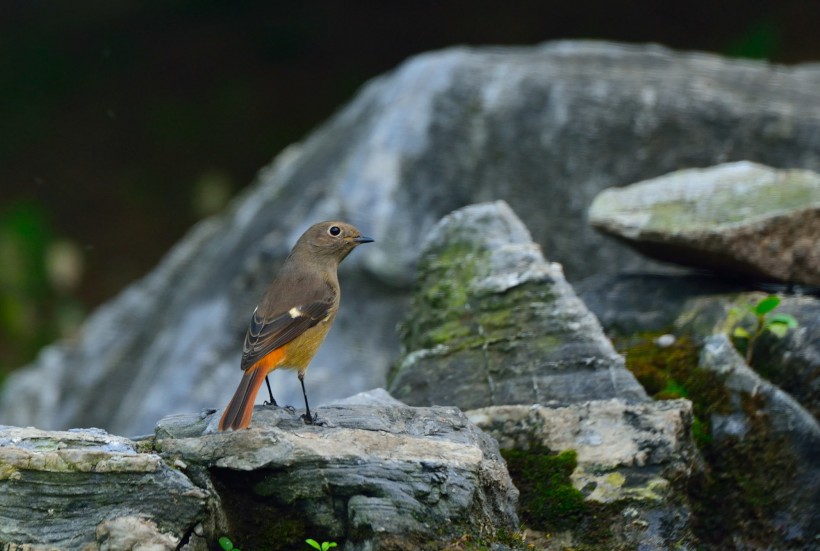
x: 266, y: 334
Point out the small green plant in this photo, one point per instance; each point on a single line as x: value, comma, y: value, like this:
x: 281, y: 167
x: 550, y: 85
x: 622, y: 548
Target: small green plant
x: 227, y: 544
x: 324, y: 546
x: 765, y: 320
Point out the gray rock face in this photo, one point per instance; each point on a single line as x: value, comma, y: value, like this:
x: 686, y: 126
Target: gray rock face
x: 91, y: 490
x: 373, y: 477
x: 635, y: 458
x: 737, y: 218
x: 493, y: 323
x: 767, y: 426
x: 545, y: 128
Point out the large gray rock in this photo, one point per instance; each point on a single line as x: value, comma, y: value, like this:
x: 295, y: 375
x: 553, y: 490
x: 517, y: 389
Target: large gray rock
x: 545, y: 128
x: 739, y: 218
x: 93, y: 491
x: 634, y: 463
x: 371, y: 477
x: 491, y: 323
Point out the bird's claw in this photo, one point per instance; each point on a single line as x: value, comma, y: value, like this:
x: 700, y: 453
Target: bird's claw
x: 312, y: 420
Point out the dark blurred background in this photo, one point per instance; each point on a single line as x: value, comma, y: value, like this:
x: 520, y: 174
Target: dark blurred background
x: 122, y: 123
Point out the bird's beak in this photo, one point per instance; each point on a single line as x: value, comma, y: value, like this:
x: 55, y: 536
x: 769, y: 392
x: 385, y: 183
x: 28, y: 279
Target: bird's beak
x: 362, y: 239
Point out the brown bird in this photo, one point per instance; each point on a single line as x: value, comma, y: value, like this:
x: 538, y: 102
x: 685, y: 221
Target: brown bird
x: 295, y: 314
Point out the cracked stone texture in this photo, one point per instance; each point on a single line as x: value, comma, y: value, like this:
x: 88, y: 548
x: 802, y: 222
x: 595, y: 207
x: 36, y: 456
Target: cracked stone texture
x: 740, y: 218
x: 86, y: 489
x: 491, y: 322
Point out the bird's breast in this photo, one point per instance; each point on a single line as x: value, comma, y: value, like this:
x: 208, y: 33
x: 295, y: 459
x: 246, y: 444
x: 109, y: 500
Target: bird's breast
x: 300, y: 351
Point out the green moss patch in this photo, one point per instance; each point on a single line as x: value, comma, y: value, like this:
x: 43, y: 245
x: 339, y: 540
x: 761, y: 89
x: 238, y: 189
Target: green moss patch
x: 746, y: 485
x: 673, y: 372
x: 548, y: 500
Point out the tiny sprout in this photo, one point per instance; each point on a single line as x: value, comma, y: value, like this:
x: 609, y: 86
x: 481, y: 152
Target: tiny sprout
x: 227, y: 544
x: 765, y: 320
x: 324, y: 546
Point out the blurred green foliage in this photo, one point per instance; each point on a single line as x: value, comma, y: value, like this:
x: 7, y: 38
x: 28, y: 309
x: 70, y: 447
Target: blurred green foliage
x: 762, y: 40
x: 34, y: 308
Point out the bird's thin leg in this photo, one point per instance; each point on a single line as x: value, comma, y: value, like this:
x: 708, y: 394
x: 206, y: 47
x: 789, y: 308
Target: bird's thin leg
x: 270, y: 393
x: 309, y: 419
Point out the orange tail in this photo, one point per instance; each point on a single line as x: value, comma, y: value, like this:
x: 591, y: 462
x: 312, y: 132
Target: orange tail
x: 240, y: 410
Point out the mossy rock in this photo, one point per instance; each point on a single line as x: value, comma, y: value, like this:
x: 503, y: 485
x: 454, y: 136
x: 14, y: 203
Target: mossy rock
x: 492, y: 322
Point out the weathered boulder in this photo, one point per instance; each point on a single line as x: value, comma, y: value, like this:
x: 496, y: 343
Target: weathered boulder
x: 492, y: 323
x: 738, y: 218
x: 86, y: 489
x: 371, y: 477
x: 764, y: 483
x: 633, y: 463
x: 545, y: 128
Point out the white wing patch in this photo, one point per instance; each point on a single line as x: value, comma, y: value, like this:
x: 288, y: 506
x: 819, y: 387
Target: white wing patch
x: 295, y: 312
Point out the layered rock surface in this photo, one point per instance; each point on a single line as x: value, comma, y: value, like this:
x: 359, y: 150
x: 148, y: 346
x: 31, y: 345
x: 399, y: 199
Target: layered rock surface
x: 371, y: 476
x: 91, y: 490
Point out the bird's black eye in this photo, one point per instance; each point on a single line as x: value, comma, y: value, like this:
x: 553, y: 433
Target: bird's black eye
x: 334, y: 231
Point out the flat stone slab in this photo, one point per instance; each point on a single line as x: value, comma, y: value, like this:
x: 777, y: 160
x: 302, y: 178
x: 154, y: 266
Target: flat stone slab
x: 739, y: 218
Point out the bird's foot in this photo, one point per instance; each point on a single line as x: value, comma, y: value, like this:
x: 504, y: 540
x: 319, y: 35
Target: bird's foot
x: 290, y: 409
x: 312, y: 420
x: 268, y: 403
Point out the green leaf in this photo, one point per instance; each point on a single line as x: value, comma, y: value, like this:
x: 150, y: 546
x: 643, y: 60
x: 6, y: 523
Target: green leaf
x: 329, y: 545
x: 741, y: 333
x: 778, y: 329
x: 767, y: 304
x: 314, y: 544
x: 786, y: 319
x: 225, y: 544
